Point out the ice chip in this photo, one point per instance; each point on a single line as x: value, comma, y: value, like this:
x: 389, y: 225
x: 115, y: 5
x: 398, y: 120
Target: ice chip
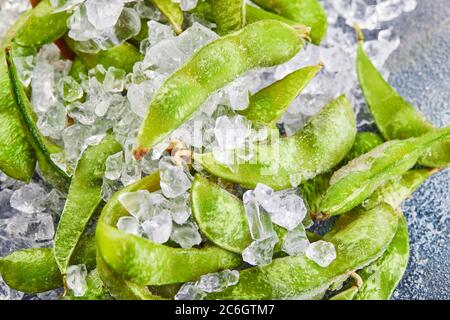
x: 70, y: 89
x: 175, y: 180
x: 158, y: 32
x: 219, y: 281
x: 164, y: 57
x: 128, y: 225
x: 321, y: 252
x: 54, y: 121
x: 189, y: 291
x: 260, y: 252
x: 76, y: 279
x: 267, y: 198
x: 295, y: 242
x: 29, y: 198
x: 103, y: 13
x: 291, y: 212
x: 114, y: 80
x: 259, y: 221
x: 158, y: 228
x: 114, y: 165
x: 194, y: 37
x: 38, y: 227
x: 186, y: 235
x: 231, y: 133
x: 180, y: 208
x: 136, y: 203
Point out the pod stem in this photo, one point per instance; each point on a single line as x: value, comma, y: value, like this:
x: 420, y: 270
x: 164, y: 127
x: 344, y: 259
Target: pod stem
x: 303, y: 31
x: 357, y: 278
x: 359, y: 33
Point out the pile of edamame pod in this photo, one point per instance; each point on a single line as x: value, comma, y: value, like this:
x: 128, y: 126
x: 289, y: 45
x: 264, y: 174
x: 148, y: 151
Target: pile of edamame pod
x: 247, y: 248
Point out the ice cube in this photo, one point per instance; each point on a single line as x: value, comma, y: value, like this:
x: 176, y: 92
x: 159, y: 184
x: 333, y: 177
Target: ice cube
x: 103, y: 13
x: 114, y: 80
x: 231, y: 133
x: 38, y: 227
x: 186, y: 235
x: 219, y: 281
x: 29, y: 198
x: 291, y: 211
x: 295, y: 242
x: 128, y: 225
x: 189, y: 291
x: 180, y: 209
x: 76, y: 279
x: 175, y: 180
x: 114, y: 166
x: 260, y: 252
x: 82, y: 112
x: 109, y: 187
x: 136, y: 203
x: 194, y: 37
x: 259, y: 221
x: 63, y: 5
x: 164, y: 57
x: 321, y: 252
x: 267, y: 198
x: 54, y: 202
x: 70, y: 89
x: 158, y: 32
x: 140, y: 96
x: 158, y: 228
x: 187, y: 5
x: 238, y: 94
x: 54, y: 121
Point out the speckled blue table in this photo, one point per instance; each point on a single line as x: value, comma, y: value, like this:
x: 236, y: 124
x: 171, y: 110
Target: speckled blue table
x: 420, y: 71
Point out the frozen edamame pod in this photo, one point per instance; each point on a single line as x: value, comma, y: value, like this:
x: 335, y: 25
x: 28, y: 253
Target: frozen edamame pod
x: 83, y: 199
x: 313, y: 190
x: 229, y: 15
x: 17, y: 158
x: 268, y: 105
x: 361, y: 242
x: 355, y: 182
x: 173, y: 13
x: 121, y: 289
x: 212, y: 67
x: 42, y: 146
x: 321, y: 145
x: 394, y: 116
x: 123, y: 56
x: 35, y: 270
x: 307, y: 12
x: 144, y: 262
x: 221, y: 216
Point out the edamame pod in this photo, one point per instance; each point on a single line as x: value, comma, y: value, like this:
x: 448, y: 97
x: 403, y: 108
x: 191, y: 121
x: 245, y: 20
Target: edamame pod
x: 146, y: 263
x: 42, y: 147
x: 35, y: 270
x: 212, y: 67
x: 173, y: 13
x: 321, y: 145
x: 307, y: 12
x: 17, y: 158
x: 119, y: 288
x: 313, y: 190
x: 395, y: 117
x: 41, y: 26
x: 253, y: 14
x: 361, y: 242
x: 229, y: 15
x: 355, y: 182
x: 221, y: 216
x: 268, y: 105
x: 123, y: 56
x: 83, y: 199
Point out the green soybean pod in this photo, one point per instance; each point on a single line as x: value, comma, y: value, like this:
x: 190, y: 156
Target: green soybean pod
x: 95, y: 289
x: 83, y: 199
x: 41, y: 26
x: 212, y: 67
x: 347, y: 294
x: 394, y: 116
x: 322, y: 144
x: 17, y: 158
x: 312, y: 191
x: 296, y: 277
x: 146, y: 263
x: 307, y: 12
x: 121, y: 289
x: 35, y: 270
x: 42, y: 147
x: 173, y: 13
x: 229, y: 15
x: 123, y: 56
x: 355, y: 182
x: 253, y: 14
x: 268, y: 105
